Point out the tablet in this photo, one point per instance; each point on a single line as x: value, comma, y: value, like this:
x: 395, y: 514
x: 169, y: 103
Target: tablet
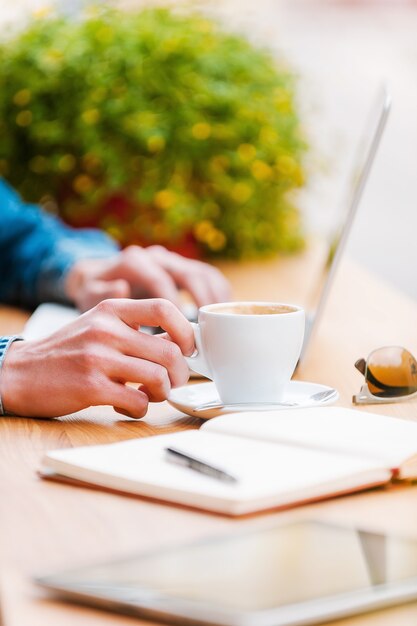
x: 304, y: 573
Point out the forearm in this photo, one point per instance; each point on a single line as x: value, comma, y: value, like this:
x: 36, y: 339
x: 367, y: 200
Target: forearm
x: 37, y: 251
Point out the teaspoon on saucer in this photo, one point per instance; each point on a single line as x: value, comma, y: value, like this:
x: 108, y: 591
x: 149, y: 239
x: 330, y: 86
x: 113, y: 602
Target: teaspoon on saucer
x: 320, y: 396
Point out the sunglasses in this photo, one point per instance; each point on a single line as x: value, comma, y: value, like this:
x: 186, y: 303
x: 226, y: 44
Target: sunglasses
x: 390, y: 376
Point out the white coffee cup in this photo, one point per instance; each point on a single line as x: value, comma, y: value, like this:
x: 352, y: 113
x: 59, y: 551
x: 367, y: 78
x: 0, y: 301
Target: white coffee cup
x: 249, y: 349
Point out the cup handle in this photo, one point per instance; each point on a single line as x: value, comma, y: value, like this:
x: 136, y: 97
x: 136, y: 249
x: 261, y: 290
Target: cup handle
x: 197, y: 361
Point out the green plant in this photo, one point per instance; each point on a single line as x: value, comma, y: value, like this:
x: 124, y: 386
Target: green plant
x: 155, y: 125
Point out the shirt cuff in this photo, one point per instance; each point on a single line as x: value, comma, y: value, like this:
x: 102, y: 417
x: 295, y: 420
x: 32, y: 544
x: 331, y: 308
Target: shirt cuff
x: 5, y: 343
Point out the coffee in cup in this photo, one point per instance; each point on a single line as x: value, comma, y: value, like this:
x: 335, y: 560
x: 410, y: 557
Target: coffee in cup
x: 254, y: 308
x: 249, y: 349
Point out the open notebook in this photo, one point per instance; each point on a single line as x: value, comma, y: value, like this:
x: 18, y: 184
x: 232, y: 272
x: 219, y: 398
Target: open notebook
x: 280, y: 458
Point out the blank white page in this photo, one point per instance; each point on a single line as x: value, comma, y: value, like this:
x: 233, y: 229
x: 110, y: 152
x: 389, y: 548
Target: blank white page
x: 387, y: 439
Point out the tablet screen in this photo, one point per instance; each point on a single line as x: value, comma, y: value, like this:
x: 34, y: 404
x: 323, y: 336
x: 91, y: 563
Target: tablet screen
x: 259, y: 570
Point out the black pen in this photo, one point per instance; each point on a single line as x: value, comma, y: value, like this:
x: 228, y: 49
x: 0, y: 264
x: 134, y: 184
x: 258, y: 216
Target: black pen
x: 183, y: 458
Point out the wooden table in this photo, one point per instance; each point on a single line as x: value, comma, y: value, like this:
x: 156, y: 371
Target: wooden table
x: 46, y: 526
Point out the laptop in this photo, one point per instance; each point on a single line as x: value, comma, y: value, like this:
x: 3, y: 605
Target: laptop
x: 50, y: 317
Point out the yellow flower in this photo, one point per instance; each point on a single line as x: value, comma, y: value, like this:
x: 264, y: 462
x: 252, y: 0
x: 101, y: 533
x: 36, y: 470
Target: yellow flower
x: 246, y: 151
x: 298, y: 176
x: 286, y: 165
x: 268, y: 135
x: 261, y: 170
x: 66, y: 163
x: 203, y: 229
x: 91, y: 116
x: 207, y: 233
x: 241, y: 192
x: 156, y: 143
x: 201, y: 131
x: 24, y: 118
x: 219, y: 163
x: 216, y: 240
x: 82, y: 184
x: 22, y: 97
x: 165, y: 199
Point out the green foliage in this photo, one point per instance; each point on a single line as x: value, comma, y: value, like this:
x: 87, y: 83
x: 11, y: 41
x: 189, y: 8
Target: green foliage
x: 153, y: 125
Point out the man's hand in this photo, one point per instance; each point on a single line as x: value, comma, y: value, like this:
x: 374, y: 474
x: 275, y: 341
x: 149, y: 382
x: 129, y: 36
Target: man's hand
x: 89, y: 361
x: 152, y: 272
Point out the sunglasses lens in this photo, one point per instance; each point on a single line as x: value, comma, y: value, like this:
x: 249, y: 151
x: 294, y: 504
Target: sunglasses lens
x: 391, y: 373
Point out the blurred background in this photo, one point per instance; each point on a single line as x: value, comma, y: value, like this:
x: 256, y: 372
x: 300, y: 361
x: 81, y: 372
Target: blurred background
x: 340, y: 51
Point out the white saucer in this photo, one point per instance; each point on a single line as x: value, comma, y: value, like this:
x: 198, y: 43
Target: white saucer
x: 186, y: 398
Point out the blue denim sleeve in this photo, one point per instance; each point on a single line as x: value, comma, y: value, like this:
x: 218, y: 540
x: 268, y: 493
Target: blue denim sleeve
x: 37, y: 250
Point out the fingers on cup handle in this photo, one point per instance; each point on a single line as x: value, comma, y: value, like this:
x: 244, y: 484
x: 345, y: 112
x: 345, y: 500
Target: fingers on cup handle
x: 197, y: 361
x: 156, y: 312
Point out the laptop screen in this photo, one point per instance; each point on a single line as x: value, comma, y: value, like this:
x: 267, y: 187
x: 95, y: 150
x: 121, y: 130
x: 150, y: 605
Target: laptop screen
x: 336, y: 241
